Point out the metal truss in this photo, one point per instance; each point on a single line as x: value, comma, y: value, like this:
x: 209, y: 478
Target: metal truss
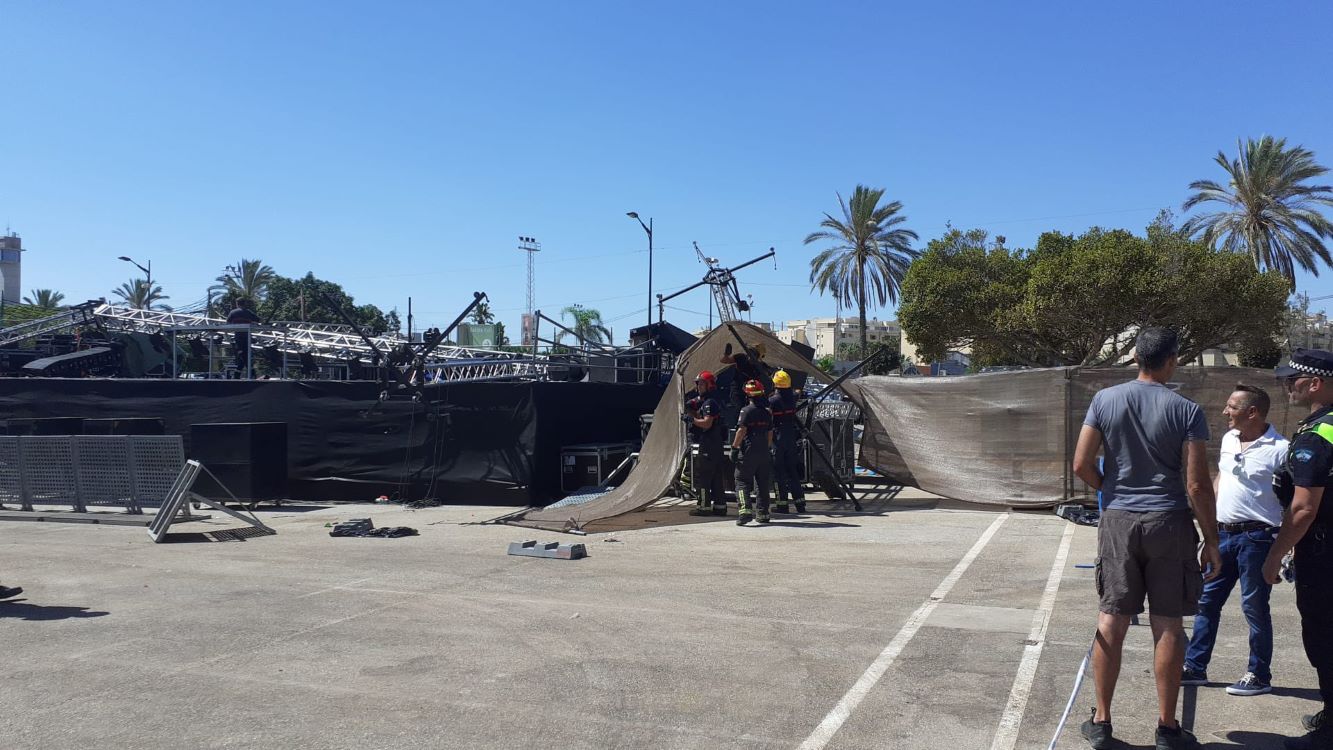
x: 69, y: 318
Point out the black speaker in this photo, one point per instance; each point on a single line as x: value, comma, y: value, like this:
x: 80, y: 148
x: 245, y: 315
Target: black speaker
x: 124, y: 426
x: 57, y: 426
x: 250, y: 458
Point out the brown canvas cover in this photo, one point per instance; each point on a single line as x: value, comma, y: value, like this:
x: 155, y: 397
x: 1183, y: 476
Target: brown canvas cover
x: 664, y: 447
x: 1008, y: 438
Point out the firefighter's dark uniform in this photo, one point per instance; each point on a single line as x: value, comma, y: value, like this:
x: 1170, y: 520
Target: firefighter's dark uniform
x: 1309, y: 464
x: 710, y: 461
x: 754, y: 470
x: 786, y: 449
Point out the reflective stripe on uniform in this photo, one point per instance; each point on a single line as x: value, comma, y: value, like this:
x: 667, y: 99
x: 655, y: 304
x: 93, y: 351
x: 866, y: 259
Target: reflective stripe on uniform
x: 1324, y: 430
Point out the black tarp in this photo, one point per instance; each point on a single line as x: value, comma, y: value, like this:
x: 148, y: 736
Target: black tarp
x: 464, y: 442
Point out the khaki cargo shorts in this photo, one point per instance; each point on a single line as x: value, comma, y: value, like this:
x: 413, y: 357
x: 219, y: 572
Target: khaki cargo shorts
x: 1154, y: 554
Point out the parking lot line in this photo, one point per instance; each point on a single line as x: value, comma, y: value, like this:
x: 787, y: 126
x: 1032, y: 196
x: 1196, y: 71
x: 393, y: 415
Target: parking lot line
x: 1007, y: 734
x: 848, y: 703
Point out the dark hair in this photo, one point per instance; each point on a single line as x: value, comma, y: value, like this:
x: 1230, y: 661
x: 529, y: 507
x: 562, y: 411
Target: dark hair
x: 1256, y: 397
x: 1155, y: 346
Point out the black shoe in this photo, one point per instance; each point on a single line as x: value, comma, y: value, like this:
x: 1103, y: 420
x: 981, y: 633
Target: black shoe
x: 1098, y: 734
x: 781, y: 509
x: 1176, y: 739
x: 800, y: 506
x: 700, y: 512
x: 719, y: 511
x: 1312, y: 722
x: 1193, y: 677
x: 9, y: 591
x: 743, y: 519
x: 764, y: 519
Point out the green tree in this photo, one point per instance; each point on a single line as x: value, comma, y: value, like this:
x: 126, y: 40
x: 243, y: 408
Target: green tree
x: 481, y: 314
x: 891, y: 361
x: 304, y: 300
x: 825, y: 364
x: 137, y: 294
x: 46, y: 299
x: 870, y: 255
x: 587, y: 324
x: 248, y: 279
x: 1081, y: 300
x: 1269, y: 209
x: 1263, y: 353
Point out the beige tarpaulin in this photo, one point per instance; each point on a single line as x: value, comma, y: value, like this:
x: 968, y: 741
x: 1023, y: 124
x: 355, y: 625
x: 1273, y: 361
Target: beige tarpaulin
x: 664, y: 448
x: 1008, y: 438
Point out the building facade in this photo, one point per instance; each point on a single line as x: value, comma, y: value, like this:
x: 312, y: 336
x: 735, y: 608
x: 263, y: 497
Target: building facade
x: 827, y: 336
x: 11, y: 265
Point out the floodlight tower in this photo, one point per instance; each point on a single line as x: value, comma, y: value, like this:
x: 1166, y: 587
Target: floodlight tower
x: 531, y: 246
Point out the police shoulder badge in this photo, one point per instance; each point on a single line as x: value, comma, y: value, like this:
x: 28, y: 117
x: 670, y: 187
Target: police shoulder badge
x: 1302, y: 454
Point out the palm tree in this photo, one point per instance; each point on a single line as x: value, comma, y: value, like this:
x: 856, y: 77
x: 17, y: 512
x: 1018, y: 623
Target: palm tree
x: 1270, y: 211
x: 481, y: 314
x: 871, y: 255
x: 249, y: 279
x: 587, y: 324
x: 47, y: 299
x: 137, y: 294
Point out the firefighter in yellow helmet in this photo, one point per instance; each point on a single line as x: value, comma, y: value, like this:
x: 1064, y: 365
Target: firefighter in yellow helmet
x: 750, y: 452
x: 786, y: 444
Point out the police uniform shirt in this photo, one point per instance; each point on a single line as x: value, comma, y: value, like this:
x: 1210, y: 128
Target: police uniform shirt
x: 757, y: 421
x: 709, y: 440
x: 1311, y: 461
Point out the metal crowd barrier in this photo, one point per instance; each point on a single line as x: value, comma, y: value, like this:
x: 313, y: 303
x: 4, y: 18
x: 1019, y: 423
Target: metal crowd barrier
x: 125, y: 471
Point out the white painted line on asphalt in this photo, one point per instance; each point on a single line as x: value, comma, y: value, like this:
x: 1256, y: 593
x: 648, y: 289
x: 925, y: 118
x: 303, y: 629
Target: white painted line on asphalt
x: 838, y: 716
x: 1007, y: 734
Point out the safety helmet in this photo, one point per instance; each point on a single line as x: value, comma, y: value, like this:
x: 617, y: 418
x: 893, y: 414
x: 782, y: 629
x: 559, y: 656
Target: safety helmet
x: 754, y: 388
x: 707, y: 377
x: 781, y: 379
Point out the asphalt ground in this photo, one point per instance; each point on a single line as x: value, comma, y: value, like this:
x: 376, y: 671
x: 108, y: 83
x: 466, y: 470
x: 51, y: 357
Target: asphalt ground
x: 912, y: 625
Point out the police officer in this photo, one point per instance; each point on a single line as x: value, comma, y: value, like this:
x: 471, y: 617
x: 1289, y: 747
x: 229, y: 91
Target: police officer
x: 1307, y: 526
x: 243, y: 314
x: 750, y: 450
x: 703, y: 415
x: 786, y: 444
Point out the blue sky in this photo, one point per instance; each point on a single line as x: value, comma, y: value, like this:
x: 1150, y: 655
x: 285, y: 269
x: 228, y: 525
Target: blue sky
x: 401, y: 148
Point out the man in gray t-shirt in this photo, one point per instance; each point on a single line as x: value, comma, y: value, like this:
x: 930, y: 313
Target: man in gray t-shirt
x: 1155, y: 470
x: 1144, y: 426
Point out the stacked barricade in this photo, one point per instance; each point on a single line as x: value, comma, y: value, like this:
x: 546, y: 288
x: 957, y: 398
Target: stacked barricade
x: 82, y: 471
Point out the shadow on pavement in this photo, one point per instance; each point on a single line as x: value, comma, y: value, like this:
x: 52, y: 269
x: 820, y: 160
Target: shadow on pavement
x: 19, y: 609
x: 1251, y: 741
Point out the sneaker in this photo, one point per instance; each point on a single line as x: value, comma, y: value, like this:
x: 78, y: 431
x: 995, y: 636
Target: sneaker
x: 1098, y: 734
x: 9, y: 591
x: 765, y: 519
x: 1249, y: 685
x: 1194, y: 677
x: 1312, y: 722
x: 1176, y: 739
x: 743, y: 519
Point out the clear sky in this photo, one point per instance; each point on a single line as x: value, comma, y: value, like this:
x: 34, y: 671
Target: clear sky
x: 401, y: 148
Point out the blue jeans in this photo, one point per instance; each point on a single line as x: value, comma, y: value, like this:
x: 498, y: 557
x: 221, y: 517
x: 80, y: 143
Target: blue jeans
x: 1243, y: 555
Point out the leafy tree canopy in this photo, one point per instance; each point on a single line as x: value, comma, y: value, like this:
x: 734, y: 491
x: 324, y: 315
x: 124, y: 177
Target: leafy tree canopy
x: 1080, y: 300
x: 303, y: 300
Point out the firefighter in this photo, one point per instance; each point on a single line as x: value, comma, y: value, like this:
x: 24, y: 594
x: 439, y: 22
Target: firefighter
x: 703, y: 415
x: 786, y: 444
x: 750, y: 451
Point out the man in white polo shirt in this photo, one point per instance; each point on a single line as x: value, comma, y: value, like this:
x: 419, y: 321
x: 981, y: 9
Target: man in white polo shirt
x: 1248, y: 516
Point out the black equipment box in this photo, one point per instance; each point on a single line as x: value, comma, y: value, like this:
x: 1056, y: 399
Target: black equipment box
x: 590, y: 463
x: 250, y: 458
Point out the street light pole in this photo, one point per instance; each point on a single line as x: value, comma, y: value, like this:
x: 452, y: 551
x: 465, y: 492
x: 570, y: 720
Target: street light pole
x: 649, y: 229
x: 148, y: 272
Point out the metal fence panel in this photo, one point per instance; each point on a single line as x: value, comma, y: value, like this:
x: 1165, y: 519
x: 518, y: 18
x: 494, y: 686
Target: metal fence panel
x: 105, y: 471
x: 11, y: 474
x: 49, y: 477
x: 157, y: 461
